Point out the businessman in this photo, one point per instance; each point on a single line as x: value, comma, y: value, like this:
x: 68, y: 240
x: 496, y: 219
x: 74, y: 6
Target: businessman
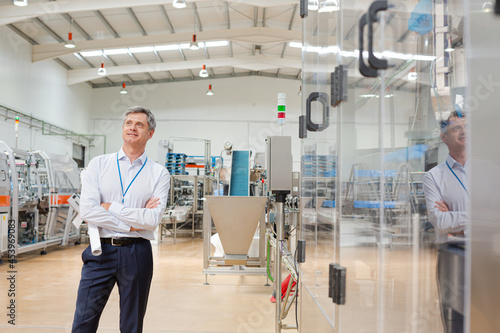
x: 123, y: 198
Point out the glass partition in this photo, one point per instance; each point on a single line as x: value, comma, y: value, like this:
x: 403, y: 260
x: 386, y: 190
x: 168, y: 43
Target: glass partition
x: 319, y: 155
x: 371, y: 217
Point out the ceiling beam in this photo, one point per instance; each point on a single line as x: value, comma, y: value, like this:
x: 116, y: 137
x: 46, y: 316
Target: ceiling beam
x: 256, y: 35
x: 11, y: 14
x: 75, y: 25
x: 197, y: 17
x: 220, y: 76
x: 106, y: 23
x: 136, y: 21
x: 167, y: 19
x: 81, y: 75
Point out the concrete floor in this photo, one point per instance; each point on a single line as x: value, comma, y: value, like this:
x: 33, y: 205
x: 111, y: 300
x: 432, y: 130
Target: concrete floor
x: 178, y: 302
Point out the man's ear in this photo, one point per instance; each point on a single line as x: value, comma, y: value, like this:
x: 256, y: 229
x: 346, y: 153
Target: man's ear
x: 443, y: 137
x: 151, y: 134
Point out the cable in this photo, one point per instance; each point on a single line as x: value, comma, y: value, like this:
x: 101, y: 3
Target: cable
x: 296, y: 287
x: 268, y: 259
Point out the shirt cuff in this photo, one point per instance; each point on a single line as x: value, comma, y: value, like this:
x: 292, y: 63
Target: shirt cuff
x: 115, y: 208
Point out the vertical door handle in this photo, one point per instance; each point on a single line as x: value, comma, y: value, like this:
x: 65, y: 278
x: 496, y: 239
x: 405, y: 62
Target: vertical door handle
x: 363, y: 68
x: 323, y: 99
x: 375, y: 7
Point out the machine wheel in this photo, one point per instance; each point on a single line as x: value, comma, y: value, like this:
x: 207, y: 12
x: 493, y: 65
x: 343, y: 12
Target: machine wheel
x: 43, y: 252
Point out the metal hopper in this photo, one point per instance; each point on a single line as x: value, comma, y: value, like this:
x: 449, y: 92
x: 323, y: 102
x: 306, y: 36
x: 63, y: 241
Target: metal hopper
x: 236, y: 220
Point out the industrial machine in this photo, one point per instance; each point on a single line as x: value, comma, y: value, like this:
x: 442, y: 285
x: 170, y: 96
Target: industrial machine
x: 268, y: 221
x: 238, y: 218
x: 34, y: 191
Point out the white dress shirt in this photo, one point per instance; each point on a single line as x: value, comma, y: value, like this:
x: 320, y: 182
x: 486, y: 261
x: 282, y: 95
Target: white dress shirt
x: 101, y: 184
x: 440, y: 184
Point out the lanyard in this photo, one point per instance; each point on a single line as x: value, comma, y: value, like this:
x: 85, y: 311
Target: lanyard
x: 454, y: 174
x: 120, y: 174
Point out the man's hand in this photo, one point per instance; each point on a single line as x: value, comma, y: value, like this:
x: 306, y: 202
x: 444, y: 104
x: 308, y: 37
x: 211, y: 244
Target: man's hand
x: 153, y: 203
x: 106, y: 205
x: 441, y: 206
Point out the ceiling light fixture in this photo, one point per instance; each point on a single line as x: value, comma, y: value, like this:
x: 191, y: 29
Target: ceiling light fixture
x: 300, y: 91
x: 70, y: 44
x: 101, y: 71
x: 412, y: 75
x: 204, y: 72
x: 312, y: 5
x: 329, y: 6
x: 194, y: 44
x: 179, y: 3
x: 123, y: 90
x: 20, y: 3
x: 210, y: 92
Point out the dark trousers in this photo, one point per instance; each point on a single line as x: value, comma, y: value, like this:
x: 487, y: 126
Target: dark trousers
x: 450, y: 278
x: 131, y: 268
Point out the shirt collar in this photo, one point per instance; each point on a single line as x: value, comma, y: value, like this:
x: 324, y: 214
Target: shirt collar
x: 451, y: 161
x: 121, y: 156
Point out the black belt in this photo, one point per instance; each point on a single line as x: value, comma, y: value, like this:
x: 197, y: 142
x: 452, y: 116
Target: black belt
x: 122, y: 241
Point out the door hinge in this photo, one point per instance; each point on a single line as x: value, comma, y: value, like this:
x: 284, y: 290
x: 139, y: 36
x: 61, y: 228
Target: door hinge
x: 336, y: 283
x: 338, y: 85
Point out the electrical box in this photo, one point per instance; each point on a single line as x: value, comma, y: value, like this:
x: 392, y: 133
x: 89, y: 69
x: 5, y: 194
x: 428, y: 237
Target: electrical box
x: 279, y: 163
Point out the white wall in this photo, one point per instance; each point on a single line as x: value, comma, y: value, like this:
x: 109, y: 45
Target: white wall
x: 40, y: 90
x: 242, y: 110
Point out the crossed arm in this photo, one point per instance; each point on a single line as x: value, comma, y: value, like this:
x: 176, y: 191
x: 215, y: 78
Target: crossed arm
x: 443, y: 220
x: 151, y: 204
x: 115, y: 216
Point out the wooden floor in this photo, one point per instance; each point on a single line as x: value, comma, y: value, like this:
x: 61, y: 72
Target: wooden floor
x: 178, y: 302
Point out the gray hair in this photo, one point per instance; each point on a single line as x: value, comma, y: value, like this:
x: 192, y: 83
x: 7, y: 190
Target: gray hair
x: 141, y: 109
x: 443, y: 124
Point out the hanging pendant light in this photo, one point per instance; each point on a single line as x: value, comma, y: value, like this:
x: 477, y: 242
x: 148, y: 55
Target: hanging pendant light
x: 70, y: 44
x: 123, y: 90
x: 204, y: 72
x: 20, y: 3
x: 194, y: 44
x: 412, y: 75
x: 101, y: 71
x: 179, y: 3
x: 210, y: 92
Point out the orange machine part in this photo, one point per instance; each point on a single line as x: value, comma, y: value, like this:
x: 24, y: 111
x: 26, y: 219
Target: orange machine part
x: 4, y: 200
x: 61, y: 199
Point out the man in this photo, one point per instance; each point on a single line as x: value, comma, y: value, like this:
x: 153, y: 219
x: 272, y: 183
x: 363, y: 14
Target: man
x: 124, y: 194
x: 447, y: 201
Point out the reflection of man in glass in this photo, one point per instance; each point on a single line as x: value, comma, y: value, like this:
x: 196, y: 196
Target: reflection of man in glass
x: 447, y: 200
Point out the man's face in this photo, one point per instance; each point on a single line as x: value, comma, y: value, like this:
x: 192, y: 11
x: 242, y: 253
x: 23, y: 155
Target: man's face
x: 456, y: 134
x: 135, y: 130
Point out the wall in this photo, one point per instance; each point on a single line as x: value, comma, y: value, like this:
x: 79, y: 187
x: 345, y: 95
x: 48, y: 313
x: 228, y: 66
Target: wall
x: 242, y: 110
x: 40, y: 90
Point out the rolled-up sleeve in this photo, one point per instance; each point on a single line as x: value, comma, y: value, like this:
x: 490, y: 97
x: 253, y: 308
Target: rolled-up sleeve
x: 91, y: 210
x: 145, y: 218
x: 443, y: 222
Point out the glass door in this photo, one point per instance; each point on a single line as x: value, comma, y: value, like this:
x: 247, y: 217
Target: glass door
x: 319, y: 159
x: 401, y: 83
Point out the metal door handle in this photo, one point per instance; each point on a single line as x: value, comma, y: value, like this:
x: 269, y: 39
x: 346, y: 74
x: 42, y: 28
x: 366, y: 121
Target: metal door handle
x: 323, y: 99
x: 363, y: 68
x: 375, y: 7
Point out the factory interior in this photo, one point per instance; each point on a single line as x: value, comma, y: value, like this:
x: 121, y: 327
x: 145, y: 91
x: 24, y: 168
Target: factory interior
x: 300, y: 138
